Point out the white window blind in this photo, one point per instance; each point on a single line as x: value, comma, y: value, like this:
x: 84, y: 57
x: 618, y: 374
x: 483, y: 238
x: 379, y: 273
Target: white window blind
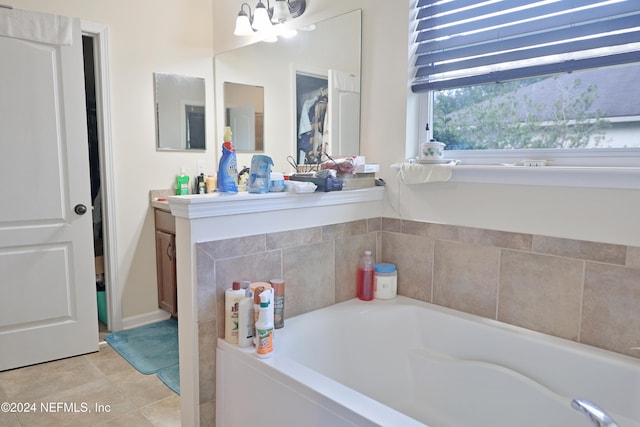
x: 469, y: 42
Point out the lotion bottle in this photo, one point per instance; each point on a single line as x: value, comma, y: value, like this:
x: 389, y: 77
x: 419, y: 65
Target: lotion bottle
x: 246, y: 322
x: 232, y: 299
x: 264, y: 327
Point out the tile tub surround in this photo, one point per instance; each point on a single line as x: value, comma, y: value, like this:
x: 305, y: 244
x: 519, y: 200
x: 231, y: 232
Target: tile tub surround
x: 556, y: 286
x: 316, y: 263
x: 587, y: 292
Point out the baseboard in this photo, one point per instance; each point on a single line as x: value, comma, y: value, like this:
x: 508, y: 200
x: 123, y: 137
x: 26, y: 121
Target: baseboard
x: 144, y: 319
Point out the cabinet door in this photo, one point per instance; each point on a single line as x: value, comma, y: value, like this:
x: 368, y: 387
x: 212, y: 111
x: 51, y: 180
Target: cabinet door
x: 166, y: 265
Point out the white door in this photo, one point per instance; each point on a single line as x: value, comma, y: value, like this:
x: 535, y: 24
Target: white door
x: 47, y: 281
x: 344, y: 114
x: 242, y: 120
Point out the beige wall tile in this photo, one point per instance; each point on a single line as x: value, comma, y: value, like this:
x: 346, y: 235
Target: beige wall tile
x: 392, y: 224
x: 611, y: 313
x: 348, y: 252
x: 344, y: 229
x: 229, y: 248
x: 587, y: 251
x: 207, y: 344
x: 208, y: 413
x: 541, y: 292
x: 206, y: 270
x: 414, y: 228
x: 465, y: 277
x: 500, y: 239
x: 374, y: 224
x: 288, y: 239
x: 444, y: 232
x: 431, y: 230
x: 633, y: 257
x: 413, y: 257
x: 309, y: 275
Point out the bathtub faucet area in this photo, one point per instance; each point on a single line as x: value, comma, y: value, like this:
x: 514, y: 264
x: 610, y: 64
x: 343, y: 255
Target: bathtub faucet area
x: 596, y: 415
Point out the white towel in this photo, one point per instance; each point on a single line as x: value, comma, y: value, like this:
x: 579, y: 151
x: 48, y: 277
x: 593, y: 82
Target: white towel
x: 416, y: 173
x: 36, y: 26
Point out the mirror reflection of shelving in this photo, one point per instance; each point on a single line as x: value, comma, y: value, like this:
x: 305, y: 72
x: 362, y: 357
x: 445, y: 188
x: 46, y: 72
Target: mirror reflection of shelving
x: 311, y: 110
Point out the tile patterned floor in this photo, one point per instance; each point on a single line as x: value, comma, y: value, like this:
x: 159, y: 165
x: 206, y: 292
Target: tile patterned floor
x: 98, y: 389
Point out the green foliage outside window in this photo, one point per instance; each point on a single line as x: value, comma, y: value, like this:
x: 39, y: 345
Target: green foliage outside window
x: 520, y: 114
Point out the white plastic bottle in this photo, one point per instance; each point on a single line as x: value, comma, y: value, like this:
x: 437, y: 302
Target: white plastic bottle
x: 232, y: 299
x: 264, y: 327
x: 246, y: 321
x: 256, y: 289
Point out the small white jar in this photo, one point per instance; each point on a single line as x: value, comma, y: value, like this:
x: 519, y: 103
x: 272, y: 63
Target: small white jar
x: 385, y: 281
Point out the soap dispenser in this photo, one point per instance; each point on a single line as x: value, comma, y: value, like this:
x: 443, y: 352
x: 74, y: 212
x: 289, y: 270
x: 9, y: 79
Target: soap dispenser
x: 182, y: 183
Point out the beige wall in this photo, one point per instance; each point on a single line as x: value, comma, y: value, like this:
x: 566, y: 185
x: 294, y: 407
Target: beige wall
x: 173, y: 36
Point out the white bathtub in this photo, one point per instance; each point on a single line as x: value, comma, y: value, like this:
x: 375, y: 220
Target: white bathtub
x: 403, y: 362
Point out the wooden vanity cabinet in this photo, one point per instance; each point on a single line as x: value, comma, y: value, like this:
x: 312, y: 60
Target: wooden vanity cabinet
x: 166, y: 261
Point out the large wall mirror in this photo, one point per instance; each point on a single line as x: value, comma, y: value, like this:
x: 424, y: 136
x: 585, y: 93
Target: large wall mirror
x: 180, y: 112
x: 328, y: 52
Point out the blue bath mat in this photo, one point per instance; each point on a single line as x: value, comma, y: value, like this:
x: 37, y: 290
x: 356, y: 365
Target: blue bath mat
x: 171, y: 377
x: 148, y: 348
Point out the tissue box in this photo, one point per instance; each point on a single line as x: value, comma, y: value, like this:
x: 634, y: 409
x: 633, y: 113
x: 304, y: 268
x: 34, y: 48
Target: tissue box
x: 368, y: 168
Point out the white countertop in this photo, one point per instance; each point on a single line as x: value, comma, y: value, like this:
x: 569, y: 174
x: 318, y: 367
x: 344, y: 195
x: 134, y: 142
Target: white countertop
x: 222, y: 204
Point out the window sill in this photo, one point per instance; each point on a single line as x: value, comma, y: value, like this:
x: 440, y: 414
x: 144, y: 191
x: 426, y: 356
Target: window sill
x: 559, y: 176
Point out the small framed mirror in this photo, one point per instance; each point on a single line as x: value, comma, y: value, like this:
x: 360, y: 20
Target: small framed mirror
x: 244, y: 113
x: 180, y: 112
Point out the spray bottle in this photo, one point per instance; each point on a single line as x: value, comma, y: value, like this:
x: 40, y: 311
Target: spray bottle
x: 264, y: 326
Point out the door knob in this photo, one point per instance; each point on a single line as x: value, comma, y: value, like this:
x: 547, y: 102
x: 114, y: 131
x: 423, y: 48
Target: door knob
x: 80, y: 209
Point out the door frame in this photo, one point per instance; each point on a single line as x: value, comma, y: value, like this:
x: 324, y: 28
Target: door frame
x: 100, y: 35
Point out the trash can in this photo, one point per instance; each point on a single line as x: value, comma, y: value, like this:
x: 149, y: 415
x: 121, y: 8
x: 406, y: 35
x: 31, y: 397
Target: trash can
x: 102, y: 299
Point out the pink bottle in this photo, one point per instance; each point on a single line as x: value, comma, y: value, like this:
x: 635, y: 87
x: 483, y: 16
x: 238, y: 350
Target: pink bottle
x: 365, y: 277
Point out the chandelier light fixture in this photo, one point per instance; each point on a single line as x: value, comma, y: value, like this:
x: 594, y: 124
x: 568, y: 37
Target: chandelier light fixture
x: 264, y: 17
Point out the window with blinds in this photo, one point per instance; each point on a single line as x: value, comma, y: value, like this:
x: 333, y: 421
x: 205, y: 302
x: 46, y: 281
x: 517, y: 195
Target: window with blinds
x: 515, y: 74
x: 470, y: 42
